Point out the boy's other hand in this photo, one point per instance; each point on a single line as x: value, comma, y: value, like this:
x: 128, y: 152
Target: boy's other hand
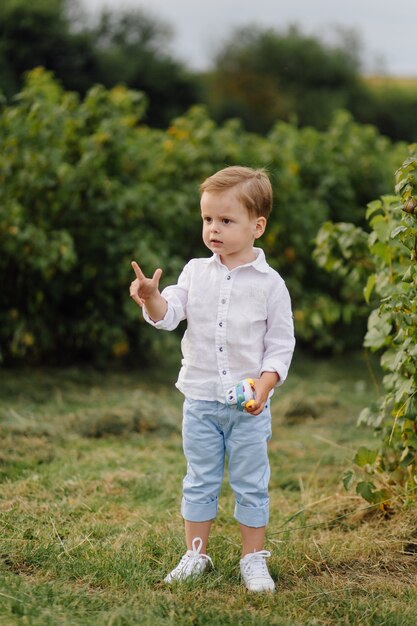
x: 263, y: 386
x: 261, y: 396
x: 142, y: 288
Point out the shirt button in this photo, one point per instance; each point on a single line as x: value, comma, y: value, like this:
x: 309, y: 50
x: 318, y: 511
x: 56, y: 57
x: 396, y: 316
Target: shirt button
x: 221, y: 349
x: 223, y: 301
x: 224, y: 372
x: 228, y: 277
x: 220, y: 324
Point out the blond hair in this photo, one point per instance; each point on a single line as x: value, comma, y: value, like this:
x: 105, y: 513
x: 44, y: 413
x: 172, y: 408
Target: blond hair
x: 253, y: 187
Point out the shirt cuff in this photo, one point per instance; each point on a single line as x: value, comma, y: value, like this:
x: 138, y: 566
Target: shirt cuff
x: 163, y: 324
x: 276, y: 366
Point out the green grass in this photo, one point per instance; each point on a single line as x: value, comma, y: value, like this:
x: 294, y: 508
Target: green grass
x: 90, y: 483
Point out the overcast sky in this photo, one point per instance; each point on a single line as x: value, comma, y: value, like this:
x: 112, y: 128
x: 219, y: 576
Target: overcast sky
x: 387, y: 30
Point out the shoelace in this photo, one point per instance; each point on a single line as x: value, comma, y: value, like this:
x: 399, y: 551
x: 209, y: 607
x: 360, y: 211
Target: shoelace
x: 197, y: 550
x: 189, y: 561
x: 256, y: 561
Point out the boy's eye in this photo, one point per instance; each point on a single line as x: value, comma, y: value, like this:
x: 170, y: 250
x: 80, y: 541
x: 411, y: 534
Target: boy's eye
x: 207, y: 220
x: 226, y: 221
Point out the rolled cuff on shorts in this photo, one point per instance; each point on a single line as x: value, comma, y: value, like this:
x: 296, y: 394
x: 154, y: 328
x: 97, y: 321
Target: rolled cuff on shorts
x: 252, y: 516
x: 193, y: 512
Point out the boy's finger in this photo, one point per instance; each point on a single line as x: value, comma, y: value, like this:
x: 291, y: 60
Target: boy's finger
x: 136, y: 299
x: 256, y: 408
x: 137, y: 270
x: 157, y: 275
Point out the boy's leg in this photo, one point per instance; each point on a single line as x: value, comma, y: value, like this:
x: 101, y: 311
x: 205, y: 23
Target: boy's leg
x: 249, y: 471
x: 195, y: 561
x: 197, y: 529
x: 252, y: 539
x: 203, y: 446
x: 204, y: 450
x: 247, y: 449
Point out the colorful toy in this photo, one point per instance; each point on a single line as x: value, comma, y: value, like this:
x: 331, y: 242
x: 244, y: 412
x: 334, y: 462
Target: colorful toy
x: 242, y: 394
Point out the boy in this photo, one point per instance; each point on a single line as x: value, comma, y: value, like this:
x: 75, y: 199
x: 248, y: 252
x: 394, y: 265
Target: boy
x: 239, y: 324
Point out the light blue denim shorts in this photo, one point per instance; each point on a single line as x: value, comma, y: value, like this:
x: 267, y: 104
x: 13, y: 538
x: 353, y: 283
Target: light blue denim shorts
x: 211, y: 430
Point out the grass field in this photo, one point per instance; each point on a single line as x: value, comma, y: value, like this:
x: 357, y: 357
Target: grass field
x: 90, y: 480
x: 407, y: 83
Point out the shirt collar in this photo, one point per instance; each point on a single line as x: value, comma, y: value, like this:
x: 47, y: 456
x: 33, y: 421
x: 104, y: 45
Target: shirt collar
x: 258, y: 264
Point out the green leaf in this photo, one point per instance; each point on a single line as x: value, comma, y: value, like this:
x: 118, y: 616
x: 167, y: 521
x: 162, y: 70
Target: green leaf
x: 408, y: 456
x: 370, y: 284
x: 409, y: 275
x: 369, y: 493
x: 366, y: 490
x: 381, y: 226
x: 347, y: 479
x: 404, y: 389
x: 372, y: 208
x: 379, y: 329
x: 372, y: 415
x: 398, y: 230
x: 382, y: 251
x: 364, y: 456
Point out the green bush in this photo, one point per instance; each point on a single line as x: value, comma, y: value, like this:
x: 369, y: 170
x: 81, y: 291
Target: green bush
x: 86, y: 187
x: 262, y: 75
x: 390, y: 104
x: 324, y: 176
x: 66, y: 220
x: 387, y: 272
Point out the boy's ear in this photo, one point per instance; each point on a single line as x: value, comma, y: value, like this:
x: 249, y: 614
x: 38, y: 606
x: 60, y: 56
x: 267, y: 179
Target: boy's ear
x: 260, y: 227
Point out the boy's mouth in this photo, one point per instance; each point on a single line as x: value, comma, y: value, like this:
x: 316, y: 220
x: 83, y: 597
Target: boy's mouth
x: 215, y: 241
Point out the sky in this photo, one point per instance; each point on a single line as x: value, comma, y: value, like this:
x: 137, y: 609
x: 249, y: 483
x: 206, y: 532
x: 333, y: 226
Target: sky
x: 386, y: 29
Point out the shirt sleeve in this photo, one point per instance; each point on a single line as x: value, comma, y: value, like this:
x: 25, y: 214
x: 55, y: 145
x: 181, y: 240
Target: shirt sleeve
x: 279, y: 340
x: 176, y: 297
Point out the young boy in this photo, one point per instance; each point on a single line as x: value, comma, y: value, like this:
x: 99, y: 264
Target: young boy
x: 239, y: 324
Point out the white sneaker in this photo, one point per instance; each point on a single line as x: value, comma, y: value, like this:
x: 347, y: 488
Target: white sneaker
x: 193, y: 563
x: 254, y: 571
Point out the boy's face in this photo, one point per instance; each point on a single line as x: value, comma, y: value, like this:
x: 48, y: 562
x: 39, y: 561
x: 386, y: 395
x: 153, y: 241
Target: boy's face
x: 228, y: 228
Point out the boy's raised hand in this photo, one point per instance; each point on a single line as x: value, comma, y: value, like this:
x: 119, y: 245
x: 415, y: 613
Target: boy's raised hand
x: 142, y: 288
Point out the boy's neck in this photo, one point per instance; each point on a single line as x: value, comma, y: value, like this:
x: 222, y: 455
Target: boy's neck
x: 232, y: 263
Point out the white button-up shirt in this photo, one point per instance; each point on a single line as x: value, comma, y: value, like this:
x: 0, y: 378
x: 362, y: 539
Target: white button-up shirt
x: 239, y: 324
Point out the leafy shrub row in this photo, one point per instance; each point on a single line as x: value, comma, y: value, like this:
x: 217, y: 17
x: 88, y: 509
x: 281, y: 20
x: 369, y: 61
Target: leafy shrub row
x: 86, y: 187
x: 383, y: 263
